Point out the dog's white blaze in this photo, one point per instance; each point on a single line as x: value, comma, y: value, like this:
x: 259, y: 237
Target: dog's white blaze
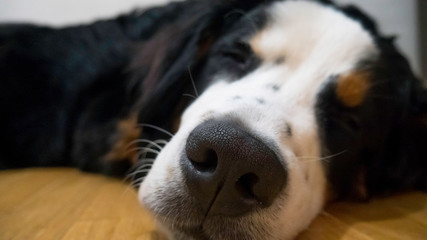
x: 316, y: 42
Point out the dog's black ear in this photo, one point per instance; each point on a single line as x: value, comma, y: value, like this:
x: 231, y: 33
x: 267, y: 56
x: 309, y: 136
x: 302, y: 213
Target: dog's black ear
x: 366, y: 21
x: 380, y: 146
x: 403, y: 165
x: 168, y: 64
x: 408, y: 148
x: 416, y: 135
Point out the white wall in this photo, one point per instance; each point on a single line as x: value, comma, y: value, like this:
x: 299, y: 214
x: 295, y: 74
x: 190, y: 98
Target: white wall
x: 66, y: 12
x: 394, y: 16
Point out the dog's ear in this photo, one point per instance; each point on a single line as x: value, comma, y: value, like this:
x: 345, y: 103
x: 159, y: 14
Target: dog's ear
x: 168, y: 64
x: 381, y: 148
x: 407, y: 147
x: 403, y: 165
x: 416, y: 135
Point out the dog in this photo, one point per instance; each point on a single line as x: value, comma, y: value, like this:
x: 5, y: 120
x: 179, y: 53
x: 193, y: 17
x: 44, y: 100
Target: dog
x: 249, y: 116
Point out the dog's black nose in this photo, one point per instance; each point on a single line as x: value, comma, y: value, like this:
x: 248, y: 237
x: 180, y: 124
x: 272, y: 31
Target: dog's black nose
x: 230, y: 171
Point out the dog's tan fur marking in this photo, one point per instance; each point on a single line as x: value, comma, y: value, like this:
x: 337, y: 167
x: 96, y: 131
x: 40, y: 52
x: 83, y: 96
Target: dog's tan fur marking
x: 351, y: 89
x: 122, y: 149
x: 255, y: 44
x: 272, y: 55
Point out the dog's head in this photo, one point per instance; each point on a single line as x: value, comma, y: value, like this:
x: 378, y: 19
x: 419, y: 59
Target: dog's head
x: 300, y: 102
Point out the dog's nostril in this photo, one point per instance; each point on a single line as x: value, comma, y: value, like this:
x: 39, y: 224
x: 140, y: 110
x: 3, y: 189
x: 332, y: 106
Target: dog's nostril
x: 207, y: 162
x: 245, y: 186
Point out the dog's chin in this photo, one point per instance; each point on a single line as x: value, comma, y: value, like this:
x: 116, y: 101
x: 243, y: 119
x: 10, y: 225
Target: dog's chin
x: 215, y: 227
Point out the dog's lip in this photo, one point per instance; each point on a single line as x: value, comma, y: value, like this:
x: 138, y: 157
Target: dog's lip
x: 191, y: 230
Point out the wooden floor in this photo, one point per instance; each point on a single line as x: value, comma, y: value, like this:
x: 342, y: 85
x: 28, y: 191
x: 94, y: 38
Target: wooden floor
x: 64, y: 204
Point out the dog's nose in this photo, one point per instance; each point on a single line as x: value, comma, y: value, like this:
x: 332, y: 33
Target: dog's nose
x: 230, y: 171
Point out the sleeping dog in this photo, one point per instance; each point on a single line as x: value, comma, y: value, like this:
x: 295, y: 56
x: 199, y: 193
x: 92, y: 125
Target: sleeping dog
x: 259, y: 112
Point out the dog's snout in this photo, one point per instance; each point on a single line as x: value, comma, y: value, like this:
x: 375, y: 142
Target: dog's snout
x: 230, y: 171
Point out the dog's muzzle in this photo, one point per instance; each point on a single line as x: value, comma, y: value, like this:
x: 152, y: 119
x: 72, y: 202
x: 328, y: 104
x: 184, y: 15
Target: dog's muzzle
x: 229, y: 171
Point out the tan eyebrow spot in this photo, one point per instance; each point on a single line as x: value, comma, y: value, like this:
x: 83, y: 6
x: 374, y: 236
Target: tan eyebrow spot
x: 265, y: 50
x: 352, y: 88
x: 255, y: 44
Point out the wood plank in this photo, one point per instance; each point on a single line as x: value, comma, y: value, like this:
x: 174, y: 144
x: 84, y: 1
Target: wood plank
x: 327, y: 226
x: 386, y: 218
x: 65, y: 204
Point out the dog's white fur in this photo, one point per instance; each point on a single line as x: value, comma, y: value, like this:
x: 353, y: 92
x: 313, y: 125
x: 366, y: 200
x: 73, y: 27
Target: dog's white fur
x: 316, y: 42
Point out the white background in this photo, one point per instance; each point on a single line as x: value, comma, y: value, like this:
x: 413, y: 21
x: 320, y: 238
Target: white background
x: 394, y: 16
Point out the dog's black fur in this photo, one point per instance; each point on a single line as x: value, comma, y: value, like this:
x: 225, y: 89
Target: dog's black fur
x: 64, y: 92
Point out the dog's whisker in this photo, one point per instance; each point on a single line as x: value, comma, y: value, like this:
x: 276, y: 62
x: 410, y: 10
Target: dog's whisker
x: 143, y: 161
x: 137, y: 182
x: 192, y: 81
x: 161, y: 141
x: 143, y: 168
x: 140, y: 171
x: 132, y: 176
x: 143, y: 155
x: 143, y: 149
x: 126, y: 190
x: 143, y: 164
x: 151, y: 143
x: 156, y: 128
x: 139, y: 163
x: 131, y: 170
x: 313, y: 158
x: 189, y: 95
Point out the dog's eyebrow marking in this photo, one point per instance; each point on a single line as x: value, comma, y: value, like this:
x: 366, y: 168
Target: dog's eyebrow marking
x: 255, y: 44
x: 352, y: 88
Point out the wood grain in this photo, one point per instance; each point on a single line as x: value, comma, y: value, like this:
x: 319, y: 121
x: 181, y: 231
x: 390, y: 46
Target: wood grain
x: 65, y: 204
